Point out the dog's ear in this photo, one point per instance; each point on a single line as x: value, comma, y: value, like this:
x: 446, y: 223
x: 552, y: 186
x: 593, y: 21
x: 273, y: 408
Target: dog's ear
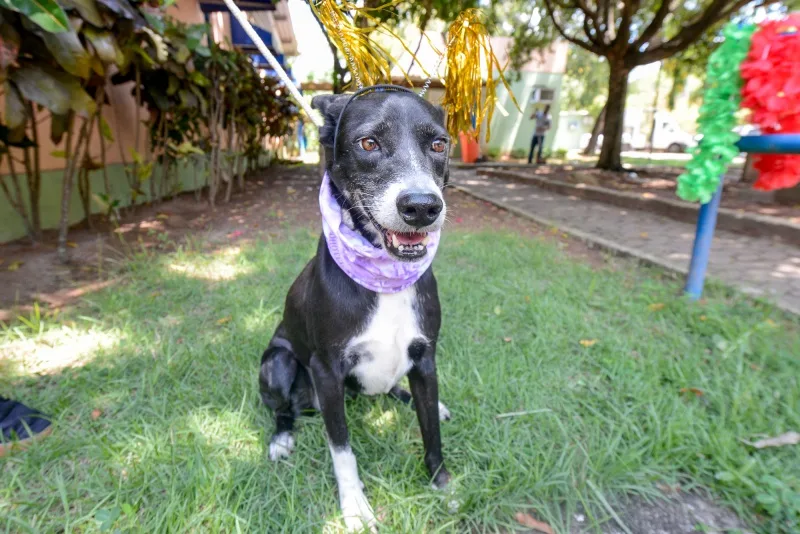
x: 329, y: 106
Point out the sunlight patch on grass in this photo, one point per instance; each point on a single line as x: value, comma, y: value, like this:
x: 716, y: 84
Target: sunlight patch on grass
x: 224, y: 267
x: 383, y: 422
x: 55, y: 350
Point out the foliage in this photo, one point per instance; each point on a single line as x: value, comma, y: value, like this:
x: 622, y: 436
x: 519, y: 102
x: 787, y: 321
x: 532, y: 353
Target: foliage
x: 627, y: 34
x: 63, y: 70
x: 584, y: 86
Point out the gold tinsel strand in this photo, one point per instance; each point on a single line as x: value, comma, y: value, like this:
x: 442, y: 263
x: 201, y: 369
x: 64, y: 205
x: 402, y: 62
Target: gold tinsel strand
x: 368, y: 62
x: 468, y: 41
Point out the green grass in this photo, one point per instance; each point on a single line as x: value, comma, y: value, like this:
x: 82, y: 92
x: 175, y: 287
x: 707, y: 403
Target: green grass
x: 180, y: 443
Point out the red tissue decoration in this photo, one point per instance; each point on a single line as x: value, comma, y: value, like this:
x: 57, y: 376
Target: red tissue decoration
x: 771, y: 90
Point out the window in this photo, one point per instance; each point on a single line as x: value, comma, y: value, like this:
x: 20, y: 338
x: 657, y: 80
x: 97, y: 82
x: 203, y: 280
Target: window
x: 542, y: 94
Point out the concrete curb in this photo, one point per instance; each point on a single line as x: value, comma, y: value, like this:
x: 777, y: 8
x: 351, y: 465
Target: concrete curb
x: 730, y: 220
x: 594, y: 241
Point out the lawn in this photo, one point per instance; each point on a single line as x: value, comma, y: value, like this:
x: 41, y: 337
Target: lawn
x: 625, y: 388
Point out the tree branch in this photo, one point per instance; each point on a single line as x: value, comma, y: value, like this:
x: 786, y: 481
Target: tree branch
x: 718, y: 10
x: 629, y: 8
x: 594, y: 49
x: 658, y: 20
x: 591, y: 23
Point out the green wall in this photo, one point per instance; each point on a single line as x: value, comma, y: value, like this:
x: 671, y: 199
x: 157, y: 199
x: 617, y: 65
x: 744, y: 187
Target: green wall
x: 188, y: 177
x: 515, y: 130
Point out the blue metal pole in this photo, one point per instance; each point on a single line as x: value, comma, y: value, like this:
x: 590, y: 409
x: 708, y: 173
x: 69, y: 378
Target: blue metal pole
x: 706, y: 222
x: 770, y: 144
x: 707, y: 218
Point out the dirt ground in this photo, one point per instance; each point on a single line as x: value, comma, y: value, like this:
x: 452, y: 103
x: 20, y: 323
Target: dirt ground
x: 662, y: 182
x: 275, y: 201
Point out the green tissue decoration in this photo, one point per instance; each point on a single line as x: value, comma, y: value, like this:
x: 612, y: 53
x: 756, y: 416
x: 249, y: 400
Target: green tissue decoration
x: 717, y: 148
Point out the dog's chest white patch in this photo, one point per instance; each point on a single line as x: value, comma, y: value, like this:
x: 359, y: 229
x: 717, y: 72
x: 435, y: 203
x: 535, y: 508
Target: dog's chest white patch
x: 382, y: 348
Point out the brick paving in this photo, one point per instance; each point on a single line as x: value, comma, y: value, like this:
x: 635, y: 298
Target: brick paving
x: 768, y: 268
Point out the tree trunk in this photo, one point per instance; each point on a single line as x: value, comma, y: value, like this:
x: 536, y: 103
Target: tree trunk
x: 749, y: 173
x: 35, y: 181
x: 66, y: 187
x: 610, y: 154
x: 591, y: 146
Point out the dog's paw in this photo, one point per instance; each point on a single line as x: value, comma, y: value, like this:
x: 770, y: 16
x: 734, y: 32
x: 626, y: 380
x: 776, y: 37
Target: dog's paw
x: 444, y: 413
x: 281, y: 446
x: 441, y: 479
x: 357, y: 513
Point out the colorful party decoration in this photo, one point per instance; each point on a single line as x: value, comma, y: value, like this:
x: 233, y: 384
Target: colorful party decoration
x: 771, y: 75
x: 717, y: 119
x: 469, y: 103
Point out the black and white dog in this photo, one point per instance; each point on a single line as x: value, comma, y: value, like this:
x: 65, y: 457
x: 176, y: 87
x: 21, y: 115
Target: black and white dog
x: 387, y: 156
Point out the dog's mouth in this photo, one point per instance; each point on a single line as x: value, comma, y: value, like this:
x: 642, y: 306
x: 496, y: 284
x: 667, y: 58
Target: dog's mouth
x: 406, y: 245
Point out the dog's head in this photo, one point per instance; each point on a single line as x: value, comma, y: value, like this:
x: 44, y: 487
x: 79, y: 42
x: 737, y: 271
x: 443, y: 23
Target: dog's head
x: 389, y: 166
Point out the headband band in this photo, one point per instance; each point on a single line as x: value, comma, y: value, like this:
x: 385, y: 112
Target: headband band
x: 361, y: 92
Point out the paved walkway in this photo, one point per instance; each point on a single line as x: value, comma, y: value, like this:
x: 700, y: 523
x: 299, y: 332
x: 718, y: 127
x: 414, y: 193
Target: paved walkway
x: 757, y: 266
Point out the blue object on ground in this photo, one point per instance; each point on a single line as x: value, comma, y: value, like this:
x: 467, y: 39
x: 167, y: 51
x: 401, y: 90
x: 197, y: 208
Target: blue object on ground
x: 707, y: 218
x: 706, y: 222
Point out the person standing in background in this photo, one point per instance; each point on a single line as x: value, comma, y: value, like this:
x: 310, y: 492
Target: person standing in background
x: 543, y: 122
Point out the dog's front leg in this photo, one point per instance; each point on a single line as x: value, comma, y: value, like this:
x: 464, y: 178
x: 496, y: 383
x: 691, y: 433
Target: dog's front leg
x: 425, y: 390
x: 329, y: 387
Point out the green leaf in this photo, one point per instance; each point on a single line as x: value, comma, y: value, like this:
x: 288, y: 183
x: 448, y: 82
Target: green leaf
x: 124, y: 9
x: 195, y: 34
x: 199, y: 79
x: 104, y: 43
x: 68, y: 51
x: 173, y: 85
x: 107, y: 517
x: 87, y: 9
x: 105, y: 130
x: 46, y: 14
x: 44, y: 87
x: 9, y: 46
x: 186, y: 148
x: 59, y: 154
x: 156, y: 22
x: 162, y: 52
x: 58, y: 127
x: 183, y: 54
x: 57, y: 91
x: 16, y: 112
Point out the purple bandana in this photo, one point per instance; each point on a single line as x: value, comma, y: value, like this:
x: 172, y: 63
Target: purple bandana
x: 370, y: 267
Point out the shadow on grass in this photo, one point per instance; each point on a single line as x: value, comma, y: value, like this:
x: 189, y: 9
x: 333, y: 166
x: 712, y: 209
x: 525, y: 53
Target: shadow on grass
x: 614, y: 383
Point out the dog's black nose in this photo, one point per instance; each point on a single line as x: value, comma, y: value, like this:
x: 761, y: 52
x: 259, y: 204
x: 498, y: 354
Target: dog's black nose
x: 419, y: 209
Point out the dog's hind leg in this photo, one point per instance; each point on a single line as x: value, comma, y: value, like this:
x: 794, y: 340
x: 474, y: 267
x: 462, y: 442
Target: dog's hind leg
x: 282, y: 381
x: 400, y: 394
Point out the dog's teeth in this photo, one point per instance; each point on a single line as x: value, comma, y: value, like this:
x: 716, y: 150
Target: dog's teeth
x: 401, y: 248
x: 395, y: 243
x: 426, y: 240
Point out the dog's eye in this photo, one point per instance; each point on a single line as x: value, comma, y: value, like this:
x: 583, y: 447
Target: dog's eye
x: 369, y: 144
x: 439, y: 145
